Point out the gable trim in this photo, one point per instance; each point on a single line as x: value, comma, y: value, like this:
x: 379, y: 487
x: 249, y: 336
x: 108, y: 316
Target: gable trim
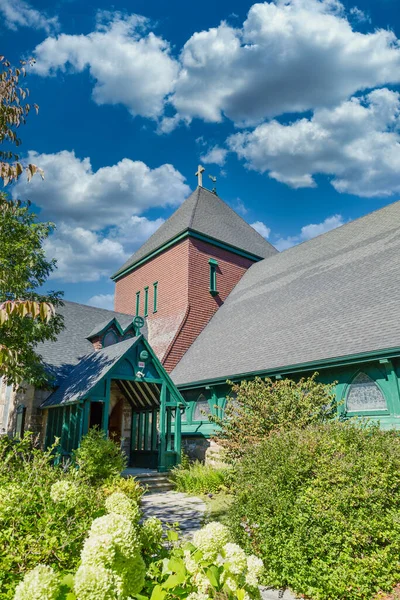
x: 189, y: 233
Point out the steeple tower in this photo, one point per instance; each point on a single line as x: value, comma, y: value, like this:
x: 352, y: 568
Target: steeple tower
x: 184, y: 272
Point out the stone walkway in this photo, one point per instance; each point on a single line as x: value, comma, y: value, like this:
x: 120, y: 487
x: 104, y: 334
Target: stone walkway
x: 189, y: 512
x: 175, y: 507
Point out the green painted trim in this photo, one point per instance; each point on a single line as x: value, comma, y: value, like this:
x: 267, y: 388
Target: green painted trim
x: 137, y: 304
x: 178, y: 238
x: 146, y: 301
x: 213, y: 277
x: 307, y: 366
x: 155, y: 296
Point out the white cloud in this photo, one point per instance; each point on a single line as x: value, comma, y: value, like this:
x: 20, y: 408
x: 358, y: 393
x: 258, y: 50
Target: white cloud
x: 73, y: 193
x: 99, y: 214
x: 86, y: 255
x: 261, y: 228
x: 215, y: 155
x: 83, y: 255
x: 309, y: 231
x: 289, y: 56
x: 357, y: 144
x: 102, y: 301
x: 17, y: 13
x: 129, y: 65
x: 359, y: 15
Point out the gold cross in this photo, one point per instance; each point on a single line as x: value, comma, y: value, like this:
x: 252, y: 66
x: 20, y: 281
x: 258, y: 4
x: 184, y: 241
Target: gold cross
x: 199, y: 175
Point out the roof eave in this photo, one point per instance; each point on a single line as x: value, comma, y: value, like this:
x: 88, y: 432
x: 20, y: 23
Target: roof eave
x: 296, y: 368
x: 183, y: 235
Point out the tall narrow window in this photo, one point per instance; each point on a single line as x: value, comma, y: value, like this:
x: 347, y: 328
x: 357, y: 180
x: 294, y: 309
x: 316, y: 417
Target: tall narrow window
x: 202, y: 409
x: 155, y: 298
x: 213, y: 276
x: 364, y: 394
x: 146, y: 301
x: 137, y: 303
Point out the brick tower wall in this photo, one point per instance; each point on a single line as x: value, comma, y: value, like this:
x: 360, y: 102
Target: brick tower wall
x: 202, y: 305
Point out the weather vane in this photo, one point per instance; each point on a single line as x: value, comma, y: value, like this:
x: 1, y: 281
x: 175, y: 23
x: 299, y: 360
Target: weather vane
x: 199, y: 175
x: 214, y: 180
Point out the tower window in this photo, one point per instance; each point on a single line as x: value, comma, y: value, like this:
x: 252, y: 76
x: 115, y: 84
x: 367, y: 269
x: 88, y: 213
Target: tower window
x: 155, y: 298
x: 146, y: 301
x: 364, y: 394
x: 213, y: 276
x: 137, y: 303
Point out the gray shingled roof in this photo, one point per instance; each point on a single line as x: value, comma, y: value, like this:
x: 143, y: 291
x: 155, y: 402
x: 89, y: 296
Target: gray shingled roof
x: 71, y: 344
x: 90, y: 370
x: 333, y: 296
x: 205, y: 213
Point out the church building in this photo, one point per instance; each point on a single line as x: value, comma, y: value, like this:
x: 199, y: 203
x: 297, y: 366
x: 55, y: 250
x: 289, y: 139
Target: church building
x: 208, y: 300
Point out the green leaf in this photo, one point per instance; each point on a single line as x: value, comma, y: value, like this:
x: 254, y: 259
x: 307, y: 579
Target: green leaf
x: 240, y: 594
x: 213, y: 576
x: 68, y: 580
x: 158, y: 593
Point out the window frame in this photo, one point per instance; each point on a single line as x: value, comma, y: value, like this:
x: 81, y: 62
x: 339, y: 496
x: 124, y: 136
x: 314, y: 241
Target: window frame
x: 112, y: 332
x: 137, y: 304
x: 146, y: 301
x: 155, y: 296
x: 365, y: 413
x: 213, y: 277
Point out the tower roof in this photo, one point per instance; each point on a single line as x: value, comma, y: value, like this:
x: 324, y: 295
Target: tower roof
x: 205, y: 213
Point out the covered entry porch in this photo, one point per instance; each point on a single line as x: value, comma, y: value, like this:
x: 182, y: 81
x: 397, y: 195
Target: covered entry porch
x: 124, y: 390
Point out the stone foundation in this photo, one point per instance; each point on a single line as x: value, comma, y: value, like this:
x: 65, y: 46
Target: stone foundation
x: 203, y: 449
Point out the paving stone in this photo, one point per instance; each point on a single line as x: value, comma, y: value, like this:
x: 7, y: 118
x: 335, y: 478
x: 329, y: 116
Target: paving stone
x: 175, y: 507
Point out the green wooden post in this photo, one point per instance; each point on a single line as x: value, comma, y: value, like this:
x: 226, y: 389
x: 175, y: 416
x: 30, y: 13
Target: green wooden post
x: 106, y: 407
x: 154, y: 430
x: 177, y: 434
x: 393, y: 403
x: 134, y: 431
x: 85, y: 419
x: 140, y: 434
x: 147, y: 443
x: 161, y: 449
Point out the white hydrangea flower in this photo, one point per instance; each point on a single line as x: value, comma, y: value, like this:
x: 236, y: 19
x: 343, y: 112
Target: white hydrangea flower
x: 201, y: 582
x: 151, y: 532
x: 97, y: 583
x: 98, y: 550
x: 231, y: 584
x: 197, y: 596
x: 123, y: 532
x: 211, y: 539
x: 235, y: 557
x: 132, y: 572
x: 39, y: 584
x: 190, y: 564
x: 65, y: 492
x: 120, y: 504
x: 255, y: 568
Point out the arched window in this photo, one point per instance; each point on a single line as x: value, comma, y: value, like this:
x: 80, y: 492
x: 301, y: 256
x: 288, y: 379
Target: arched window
x: 364, y: 394
x: 202, y: 409
x: 109, y: 339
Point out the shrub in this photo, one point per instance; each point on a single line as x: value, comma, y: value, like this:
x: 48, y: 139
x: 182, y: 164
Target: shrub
x: 112, y: 566
x: 321, y: 507
x: 98, y: 457
x: 259, y: 407
x: 199, y: 478
x: 128, y: 486
x: 45, y: 513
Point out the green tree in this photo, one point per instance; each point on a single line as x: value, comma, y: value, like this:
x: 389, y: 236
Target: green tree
x: 259, y: 407
x: 28, y: 316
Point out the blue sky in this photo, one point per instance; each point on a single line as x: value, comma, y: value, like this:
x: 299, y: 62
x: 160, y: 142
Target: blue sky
x: 292, y: 104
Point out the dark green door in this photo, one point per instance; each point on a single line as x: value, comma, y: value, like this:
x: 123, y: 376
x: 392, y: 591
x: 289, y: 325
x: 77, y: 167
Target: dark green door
x: 144, y: 440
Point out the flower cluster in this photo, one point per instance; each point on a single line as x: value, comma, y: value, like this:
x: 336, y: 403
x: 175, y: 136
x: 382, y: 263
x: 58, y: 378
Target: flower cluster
x: 120, y: 504
x: 64, y: 492
x: 151, y: 534
x: 39, y: 584
x: 111, y: 562
x: 211, y: 539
